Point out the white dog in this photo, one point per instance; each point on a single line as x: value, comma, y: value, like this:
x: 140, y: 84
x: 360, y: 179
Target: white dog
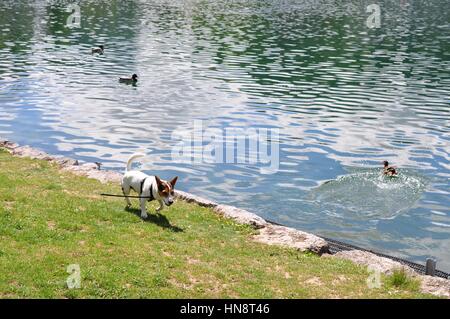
x: 149, y: 187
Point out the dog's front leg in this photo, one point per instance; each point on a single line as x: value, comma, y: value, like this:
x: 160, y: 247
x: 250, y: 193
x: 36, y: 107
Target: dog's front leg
x: 143, y: 209
x: 161, y: 205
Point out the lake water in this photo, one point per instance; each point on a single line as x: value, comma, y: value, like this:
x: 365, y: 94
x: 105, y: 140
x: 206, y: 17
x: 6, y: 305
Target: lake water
x: 343, y: 97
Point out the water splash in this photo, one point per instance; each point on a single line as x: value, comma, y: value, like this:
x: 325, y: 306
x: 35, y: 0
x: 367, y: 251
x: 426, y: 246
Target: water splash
x: 369, y: 194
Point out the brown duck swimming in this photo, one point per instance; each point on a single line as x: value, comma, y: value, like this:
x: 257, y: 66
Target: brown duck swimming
x: 389, y: 170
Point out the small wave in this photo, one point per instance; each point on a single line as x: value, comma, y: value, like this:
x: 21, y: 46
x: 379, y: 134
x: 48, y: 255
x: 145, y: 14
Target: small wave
x: 440, y: 224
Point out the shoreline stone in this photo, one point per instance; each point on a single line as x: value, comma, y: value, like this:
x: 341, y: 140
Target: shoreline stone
x: 191, y: 198
x: 91, y: 170
x: 378, y: 263
x: 268, y: 233
x: 241, y: 216
x: 433, y: 285
x: 290, y: 237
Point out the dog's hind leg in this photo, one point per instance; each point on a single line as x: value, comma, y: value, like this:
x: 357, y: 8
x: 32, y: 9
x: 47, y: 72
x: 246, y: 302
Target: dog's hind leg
x: 126, y: 192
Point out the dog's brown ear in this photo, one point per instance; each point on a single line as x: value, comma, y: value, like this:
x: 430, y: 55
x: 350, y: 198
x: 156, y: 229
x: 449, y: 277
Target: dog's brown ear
x: 173, y: 181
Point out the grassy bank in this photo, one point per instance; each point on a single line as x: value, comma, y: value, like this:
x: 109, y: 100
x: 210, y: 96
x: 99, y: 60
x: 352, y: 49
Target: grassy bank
x: 50, y: 219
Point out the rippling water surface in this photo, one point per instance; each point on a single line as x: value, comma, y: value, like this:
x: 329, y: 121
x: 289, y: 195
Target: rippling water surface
x: 344, y: 97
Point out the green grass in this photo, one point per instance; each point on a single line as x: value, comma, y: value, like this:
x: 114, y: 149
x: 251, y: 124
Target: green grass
x: 400, y: 279
x: 50, y: 219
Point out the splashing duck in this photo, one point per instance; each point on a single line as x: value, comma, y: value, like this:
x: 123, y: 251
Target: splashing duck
x: 389, y: 170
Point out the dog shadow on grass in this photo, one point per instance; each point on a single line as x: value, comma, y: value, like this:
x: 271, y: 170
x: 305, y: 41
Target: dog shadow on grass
x: 157, y: 219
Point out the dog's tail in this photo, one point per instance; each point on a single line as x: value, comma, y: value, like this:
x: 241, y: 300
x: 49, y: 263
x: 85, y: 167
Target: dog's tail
x: 131, y: 160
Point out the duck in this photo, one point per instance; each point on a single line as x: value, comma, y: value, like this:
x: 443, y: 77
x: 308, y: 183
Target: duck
x: 133, y: 79
x: 99, y: 165
x: 100, y: 49
x: 389, y: 170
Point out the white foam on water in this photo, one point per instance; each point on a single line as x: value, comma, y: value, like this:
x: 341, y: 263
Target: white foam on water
x: 438, y: 213
x: 440, y: 224
x: 369, y: 194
